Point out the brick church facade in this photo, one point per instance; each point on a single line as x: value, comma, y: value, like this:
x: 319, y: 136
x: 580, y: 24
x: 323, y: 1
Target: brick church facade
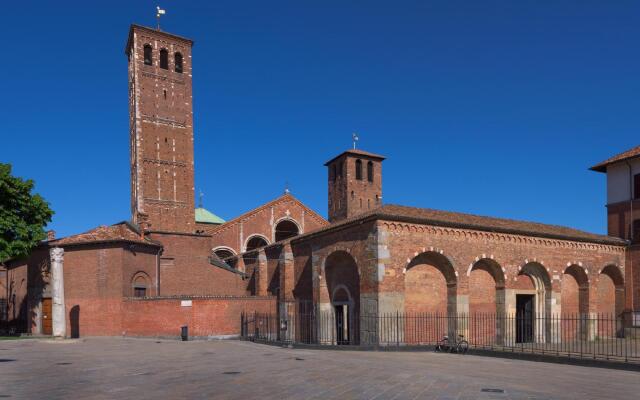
x: 173, y: 264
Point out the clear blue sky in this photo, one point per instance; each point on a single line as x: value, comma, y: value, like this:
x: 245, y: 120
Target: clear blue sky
x: 488, y: 107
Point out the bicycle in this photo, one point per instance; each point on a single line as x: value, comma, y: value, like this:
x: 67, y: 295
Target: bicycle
x: 460, y: 346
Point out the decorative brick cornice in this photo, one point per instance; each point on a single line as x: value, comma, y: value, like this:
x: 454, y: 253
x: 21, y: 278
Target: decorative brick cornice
x: 498, y: 237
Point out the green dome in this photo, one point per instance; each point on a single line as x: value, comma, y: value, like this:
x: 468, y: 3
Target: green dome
x: 207, y: 217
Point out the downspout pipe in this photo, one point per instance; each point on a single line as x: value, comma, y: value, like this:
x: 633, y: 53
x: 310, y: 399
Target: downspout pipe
x: 631, y: 239
x: 158, y: 271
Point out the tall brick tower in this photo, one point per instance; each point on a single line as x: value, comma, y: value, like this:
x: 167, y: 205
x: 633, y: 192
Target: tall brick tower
x: 355, y: 183
x: 161, y: 130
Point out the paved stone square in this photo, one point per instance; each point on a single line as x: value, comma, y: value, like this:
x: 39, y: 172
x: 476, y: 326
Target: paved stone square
x: 118, y: 368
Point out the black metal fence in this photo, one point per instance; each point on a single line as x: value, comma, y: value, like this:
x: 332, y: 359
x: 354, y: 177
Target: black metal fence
x: 596, y: 336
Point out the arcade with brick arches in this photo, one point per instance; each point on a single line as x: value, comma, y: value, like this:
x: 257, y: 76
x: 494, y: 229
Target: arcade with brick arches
x: 174, y: 264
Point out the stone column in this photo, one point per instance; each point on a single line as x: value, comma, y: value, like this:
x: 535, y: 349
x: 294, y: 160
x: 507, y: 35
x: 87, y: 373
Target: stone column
x: 57, y: 291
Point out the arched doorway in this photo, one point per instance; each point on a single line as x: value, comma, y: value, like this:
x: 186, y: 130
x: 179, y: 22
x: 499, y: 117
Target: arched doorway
x: 255, y: 242
x: 430, y: 290
x: 285, y: 229
x: 343, y: 289
x: 486, y: 302
x: 533, y: 309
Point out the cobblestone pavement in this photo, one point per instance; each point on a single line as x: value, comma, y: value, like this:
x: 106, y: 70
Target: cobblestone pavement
x: 116, y: 368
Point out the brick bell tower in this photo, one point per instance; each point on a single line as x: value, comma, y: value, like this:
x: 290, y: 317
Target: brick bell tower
x: 355, y: 183
x: 161, y: 130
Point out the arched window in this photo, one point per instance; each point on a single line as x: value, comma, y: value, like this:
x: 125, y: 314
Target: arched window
x: 340, y: 169
x: 164, y: 59
x: 286, y: 229
x: 370, y: 171
x: 255, y: 242
x: 178, y: 62
x: 140, y: 283
x: 359, y: 170
x: 148, y: 54
x: 223, y: 253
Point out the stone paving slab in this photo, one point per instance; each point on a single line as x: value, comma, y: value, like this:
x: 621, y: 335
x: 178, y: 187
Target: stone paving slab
x: 119, y: 368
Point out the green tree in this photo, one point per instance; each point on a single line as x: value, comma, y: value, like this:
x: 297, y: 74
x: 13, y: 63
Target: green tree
x: 23, y: 215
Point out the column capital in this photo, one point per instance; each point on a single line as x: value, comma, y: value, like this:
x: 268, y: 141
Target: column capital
x: 57, y: 254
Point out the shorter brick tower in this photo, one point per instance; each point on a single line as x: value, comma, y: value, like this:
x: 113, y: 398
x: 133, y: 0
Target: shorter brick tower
x: 355, y: 183
x: 161, y: 130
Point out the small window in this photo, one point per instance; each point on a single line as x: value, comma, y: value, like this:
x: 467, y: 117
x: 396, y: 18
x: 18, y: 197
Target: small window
x: 370, y: 171
x: 359, y: 170
x: 139, y: 291
x: 178, y: 62
x: 636, y: 231
x: 339, y: 170
x: 334, y: 172
x: 148, y: 55
x: 636, y: 186
x: 164, y: 59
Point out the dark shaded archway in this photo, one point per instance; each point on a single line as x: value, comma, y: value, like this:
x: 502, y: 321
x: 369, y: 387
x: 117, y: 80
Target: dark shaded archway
x: 540, y: 318
x: 255, y: 242
x: 286, y: 229
x: 343, y: 289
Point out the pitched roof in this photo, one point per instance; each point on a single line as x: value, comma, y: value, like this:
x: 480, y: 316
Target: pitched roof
x: 626, y: 155
x: 267, y: 205
x: 207, y: 217
x: 469, y: 221
x: 356, y: 152
x: 120, y: 232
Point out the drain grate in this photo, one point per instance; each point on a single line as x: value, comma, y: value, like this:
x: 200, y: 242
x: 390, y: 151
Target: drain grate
x: 299, y: 359
x: 231, y: 372
x: 63, y: 363
x: 6, y: 359
x: 490, y: 390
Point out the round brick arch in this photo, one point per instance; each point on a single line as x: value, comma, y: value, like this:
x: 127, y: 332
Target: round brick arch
x: 610, y: 290
x: 575, y: 290
x: 486, y: 281
x: 431, y: 283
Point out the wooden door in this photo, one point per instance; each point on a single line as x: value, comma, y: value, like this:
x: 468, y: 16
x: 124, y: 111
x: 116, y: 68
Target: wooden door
x: 47, y: 322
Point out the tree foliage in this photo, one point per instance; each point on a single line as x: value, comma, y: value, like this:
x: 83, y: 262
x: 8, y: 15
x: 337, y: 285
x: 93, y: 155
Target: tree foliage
x: 23, y: 215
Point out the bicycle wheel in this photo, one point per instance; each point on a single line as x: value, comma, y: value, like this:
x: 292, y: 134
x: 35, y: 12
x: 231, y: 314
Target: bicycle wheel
x: 463, y: 346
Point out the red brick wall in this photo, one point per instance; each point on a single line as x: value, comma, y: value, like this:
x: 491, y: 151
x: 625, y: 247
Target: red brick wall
x: 262, y: 221
x: 510, y: 252
x: 185, y: 268
x: 93, y: 282
x: 205, y: 317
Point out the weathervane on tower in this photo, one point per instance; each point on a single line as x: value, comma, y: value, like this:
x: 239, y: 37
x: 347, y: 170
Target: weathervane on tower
x: 159, y: 12
x: 355, y: 138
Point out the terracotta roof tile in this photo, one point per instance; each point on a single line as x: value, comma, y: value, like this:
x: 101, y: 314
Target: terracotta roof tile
x: 469, y: 221
x: 602, y: 167
x: 119, y: 232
